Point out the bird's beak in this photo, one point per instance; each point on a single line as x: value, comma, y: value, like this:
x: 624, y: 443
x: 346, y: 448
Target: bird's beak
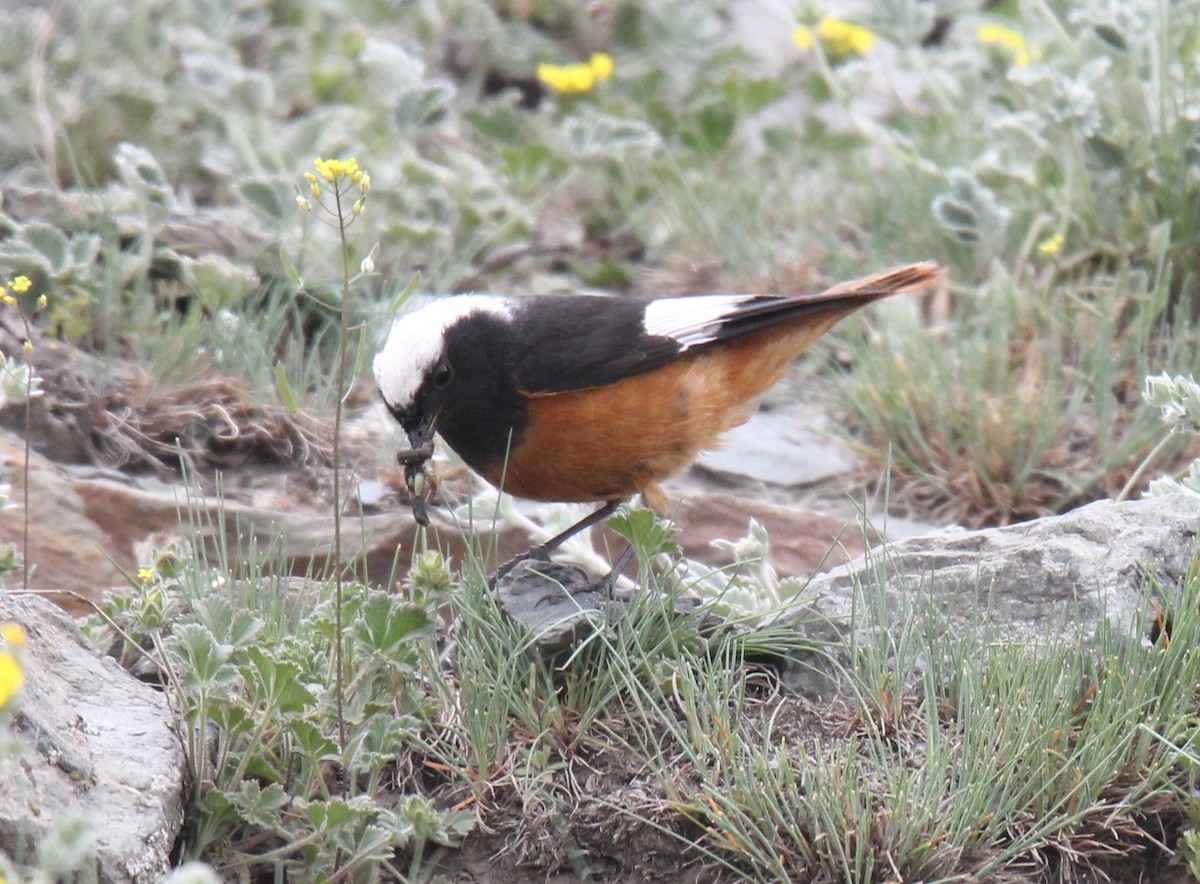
x: 420, y: 440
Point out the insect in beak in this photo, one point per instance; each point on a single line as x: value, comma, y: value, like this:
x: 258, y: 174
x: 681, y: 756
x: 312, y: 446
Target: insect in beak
x: 415, y: 460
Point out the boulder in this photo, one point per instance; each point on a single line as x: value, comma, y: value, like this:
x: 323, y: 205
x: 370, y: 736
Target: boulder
x: 1049, y: 580
x: 95, y: 744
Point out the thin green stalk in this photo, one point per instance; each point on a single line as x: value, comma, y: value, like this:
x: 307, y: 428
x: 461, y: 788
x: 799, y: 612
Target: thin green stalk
x: 25, y: 474
x: 339, y: 674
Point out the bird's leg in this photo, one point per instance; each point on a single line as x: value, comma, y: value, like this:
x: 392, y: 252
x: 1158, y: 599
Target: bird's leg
x: 608, y: 582
x: 541, y: 552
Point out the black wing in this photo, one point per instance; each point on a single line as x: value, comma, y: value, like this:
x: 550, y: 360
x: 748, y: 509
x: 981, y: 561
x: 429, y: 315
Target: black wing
x: 575, y: 342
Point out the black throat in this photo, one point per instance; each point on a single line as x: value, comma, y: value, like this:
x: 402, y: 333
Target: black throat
x: 482, y: 415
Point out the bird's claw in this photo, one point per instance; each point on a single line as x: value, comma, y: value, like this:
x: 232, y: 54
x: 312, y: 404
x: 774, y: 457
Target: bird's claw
x: 534, y: 554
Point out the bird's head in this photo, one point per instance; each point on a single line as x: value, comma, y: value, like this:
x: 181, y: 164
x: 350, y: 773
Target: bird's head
x: 423, y: 360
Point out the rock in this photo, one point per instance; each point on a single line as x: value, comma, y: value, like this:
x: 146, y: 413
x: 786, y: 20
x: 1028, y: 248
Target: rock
x: 67, y: 548
x: 561, y: 606
x: 777, y: 447
x: 1035, y: 583
x: 98, y: 745
x: 802, y: 541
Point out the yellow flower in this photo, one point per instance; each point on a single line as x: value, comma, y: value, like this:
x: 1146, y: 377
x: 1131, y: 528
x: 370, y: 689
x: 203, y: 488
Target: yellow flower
x: 42, y: 301
x: 1052, y: 245
x: 602, y: 65
x: 27, y: 346
x: 6, y: 298
x: 841, y: 38
x: 331, y: 169
x: 12, y: 676
x: 145, y: 574
x: 578, y: 77
x: 13, y: 635
x: 1010, y: 41
x: 21, y: 285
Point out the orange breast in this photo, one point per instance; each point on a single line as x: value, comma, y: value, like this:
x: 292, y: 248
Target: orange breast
x: 609, y: 442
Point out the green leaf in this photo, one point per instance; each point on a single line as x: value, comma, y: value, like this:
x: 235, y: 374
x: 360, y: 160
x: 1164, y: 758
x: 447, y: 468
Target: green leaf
x: 1107, y: 153
x: 230, y: 624
x: 328, y: 815
x: 141, y: 172
x: 599, y: 136
x: 286, y: 396
x: 387, y: 622
x: 524, y: 163
x: 279, y: 679
x: 270, y: 196
x: 1112, y: 37
x: 232, y: 719
x: 423, y: 105
x: 713, y: 127
x: 442, y: 827
x: 648, y: 534
x: 499, y: 122
x: 398, y: 301
x: 261, y: 807
x: 312, y: 742
x: 85, y: 250
x: 381, y: 741
x: 751, y: 96
x: 289, y: 269
x: 203, y: 663
x: 50, y: 242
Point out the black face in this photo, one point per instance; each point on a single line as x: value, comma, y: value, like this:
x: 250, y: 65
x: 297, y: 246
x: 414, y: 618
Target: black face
x: 469, y: 395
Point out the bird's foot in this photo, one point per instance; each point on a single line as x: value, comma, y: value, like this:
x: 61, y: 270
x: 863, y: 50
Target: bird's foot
x: 537, y: 553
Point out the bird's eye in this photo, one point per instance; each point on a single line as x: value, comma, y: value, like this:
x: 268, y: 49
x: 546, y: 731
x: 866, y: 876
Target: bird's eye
x: 443, y: 374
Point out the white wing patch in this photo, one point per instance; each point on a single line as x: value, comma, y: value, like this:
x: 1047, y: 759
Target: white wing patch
x: 416, y: 341
x: 692, y: 320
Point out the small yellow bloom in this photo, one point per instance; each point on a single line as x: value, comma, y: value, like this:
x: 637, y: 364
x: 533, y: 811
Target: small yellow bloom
x: 358, y: 208
x: 8, y: 299
x: 602, y: 65
x: 331, y: 170
x: 146, y: 574
x: 42, y: 301
x: 1051, y: 245
x: 364, y: 183
x: 1010, y: 41
x: 13, y: 634
x: 841, y: 38
x: 21, y: 284
x: 310, y: 177
x: 27, y: 346
x: 12, y: 676
x: 578, y: 77
x: 844, y: 38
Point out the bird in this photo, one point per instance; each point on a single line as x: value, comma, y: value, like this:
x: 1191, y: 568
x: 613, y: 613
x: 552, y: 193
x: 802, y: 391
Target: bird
x: 596, y: 398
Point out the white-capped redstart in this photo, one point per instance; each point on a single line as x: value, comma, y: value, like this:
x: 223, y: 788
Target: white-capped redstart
x: 596, y: 398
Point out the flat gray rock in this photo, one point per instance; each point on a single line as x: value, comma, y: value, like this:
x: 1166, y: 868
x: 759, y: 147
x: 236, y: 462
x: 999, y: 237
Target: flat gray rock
x: 1036, y: 583
x: 777, y: 447
x: 98, y: 745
